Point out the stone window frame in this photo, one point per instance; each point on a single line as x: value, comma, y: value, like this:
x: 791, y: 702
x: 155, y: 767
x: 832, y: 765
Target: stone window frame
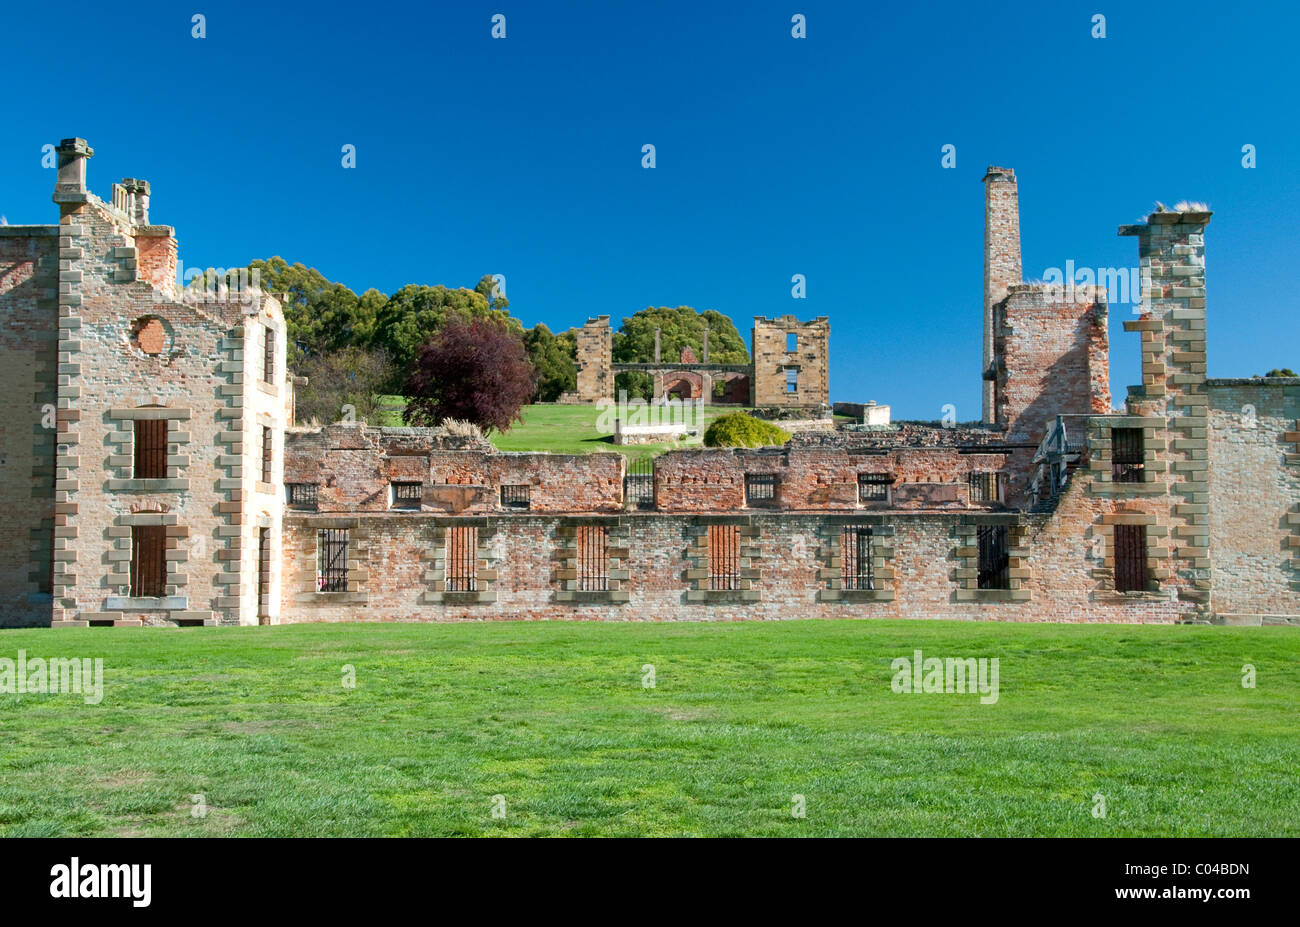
x: 267, y: 373
x: 617, y: 552
x: 267, y: 421
x: 1100, y: 465
x: 308, y: 553
x: 697, y: 558
x: 791, y: 382
x: 830, y: 557
x: 121, y: 457
x: 175, y: 554
x: 434, y: 556
x: 269, y: 387
x: 966, y: 554
x: 1157, y: 575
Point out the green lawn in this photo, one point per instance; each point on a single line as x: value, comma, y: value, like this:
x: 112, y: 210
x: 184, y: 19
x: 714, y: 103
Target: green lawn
x: 565, y: 429
x: 572, y: 430
x: 744, y: 716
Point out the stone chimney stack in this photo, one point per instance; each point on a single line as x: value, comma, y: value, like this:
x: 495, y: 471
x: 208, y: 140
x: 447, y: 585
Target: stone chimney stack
x: 140, y: 202
x: 1001, y: 260
x: 72, y: 153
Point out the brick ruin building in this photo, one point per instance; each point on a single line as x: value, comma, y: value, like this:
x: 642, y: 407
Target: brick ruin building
x: 790, y: 367
x: 151, y: 473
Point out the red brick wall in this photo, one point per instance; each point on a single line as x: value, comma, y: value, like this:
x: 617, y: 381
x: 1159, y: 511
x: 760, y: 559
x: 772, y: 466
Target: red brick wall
x: 1052, y: 348
x: 353, y: 464
x: 1061, y: 566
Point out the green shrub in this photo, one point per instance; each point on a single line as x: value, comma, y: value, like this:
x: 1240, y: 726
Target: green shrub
x: 741, y: 430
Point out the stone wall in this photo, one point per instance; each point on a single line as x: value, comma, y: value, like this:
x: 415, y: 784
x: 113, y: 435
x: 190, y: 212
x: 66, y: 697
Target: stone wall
x: 28, y: 339
x: 1254, y: 502
x: 595, y: 361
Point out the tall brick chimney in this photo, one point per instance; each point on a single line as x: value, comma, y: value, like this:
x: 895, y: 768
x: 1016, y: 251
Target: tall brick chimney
x: 72, y: 153
x: 1001, y: 260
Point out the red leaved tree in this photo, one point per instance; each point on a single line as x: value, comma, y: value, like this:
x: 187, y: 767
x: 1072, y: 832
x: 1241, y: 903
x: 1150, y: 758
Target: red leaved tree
x: 477, y: 371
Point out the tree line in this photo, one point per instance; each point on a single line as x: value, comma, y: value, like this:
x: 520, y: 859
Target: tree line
x: 450, y: 352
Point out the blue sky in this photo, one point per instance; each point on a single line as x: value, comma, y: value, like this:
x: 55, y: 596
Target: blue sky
x: 775, y: 156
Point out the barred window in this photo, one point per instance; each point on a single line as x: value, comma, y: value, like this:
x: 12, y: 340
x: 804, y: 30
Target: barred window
x: 874, y: 487
x: 148, y: 560
x: 302, y: 496
x: 1127, y: 455
x: 268, y: 355
x: 593, y: 558
x: 1131, y: 558
x: 994, y: 557
x: 150, y: 449
x: 462, y: 559
x: 405, y: 496
x: 724, y: 556
x: 857, y: 569
x: 268, y: 443
x: 760, y: 489
x: 985, y: 486
x: 791, y: 380
x: 332, y: 560
x: 639, y: 483
x: 514, y: 497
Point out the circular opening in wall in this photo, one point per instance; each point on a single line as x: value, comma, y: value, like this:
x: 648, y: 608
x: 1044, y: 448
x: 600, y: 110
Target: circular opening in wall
x: 150, y: 335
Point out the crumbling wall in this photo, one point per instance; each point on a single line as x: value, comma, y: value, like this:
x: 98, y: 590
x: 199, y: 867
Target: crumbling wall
x: 594, y: 361
x: 810, y: 358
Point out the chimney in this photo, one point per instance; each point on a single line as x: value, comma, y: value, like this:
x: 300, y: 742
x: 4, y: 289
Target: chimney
x: 1001, y: 260
x: 140, y: 201
x: 72, y: 153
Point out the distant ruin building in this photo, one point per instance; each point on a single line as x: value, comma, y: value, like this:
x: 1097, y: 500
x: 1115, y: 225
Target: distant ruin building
x: 790, y: 368
x: 150, y: 473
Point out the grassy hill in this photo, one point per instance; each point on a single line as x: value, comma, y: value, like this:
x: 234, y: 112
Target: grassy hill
x: 554, y: 718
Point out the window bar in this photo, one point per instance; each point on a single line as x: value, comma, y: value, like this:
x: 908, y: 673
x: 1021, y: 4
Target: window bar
x: 303, y: 496
x: 148, y: 561
x: 332, y: 570
x: 724, y: 557
x: 593, y: 563
x: 462, y: 558
x: 1130, y: 558
x: 268, y: 356
x: 151, y: 449
x: 268, y: 439
x: 994, y: 558
x: 857, y: 569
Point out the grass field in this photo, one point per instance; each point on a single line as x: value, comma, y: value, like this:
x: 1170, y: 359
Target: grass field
x: 565, y: 429
x: 554, y: 718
